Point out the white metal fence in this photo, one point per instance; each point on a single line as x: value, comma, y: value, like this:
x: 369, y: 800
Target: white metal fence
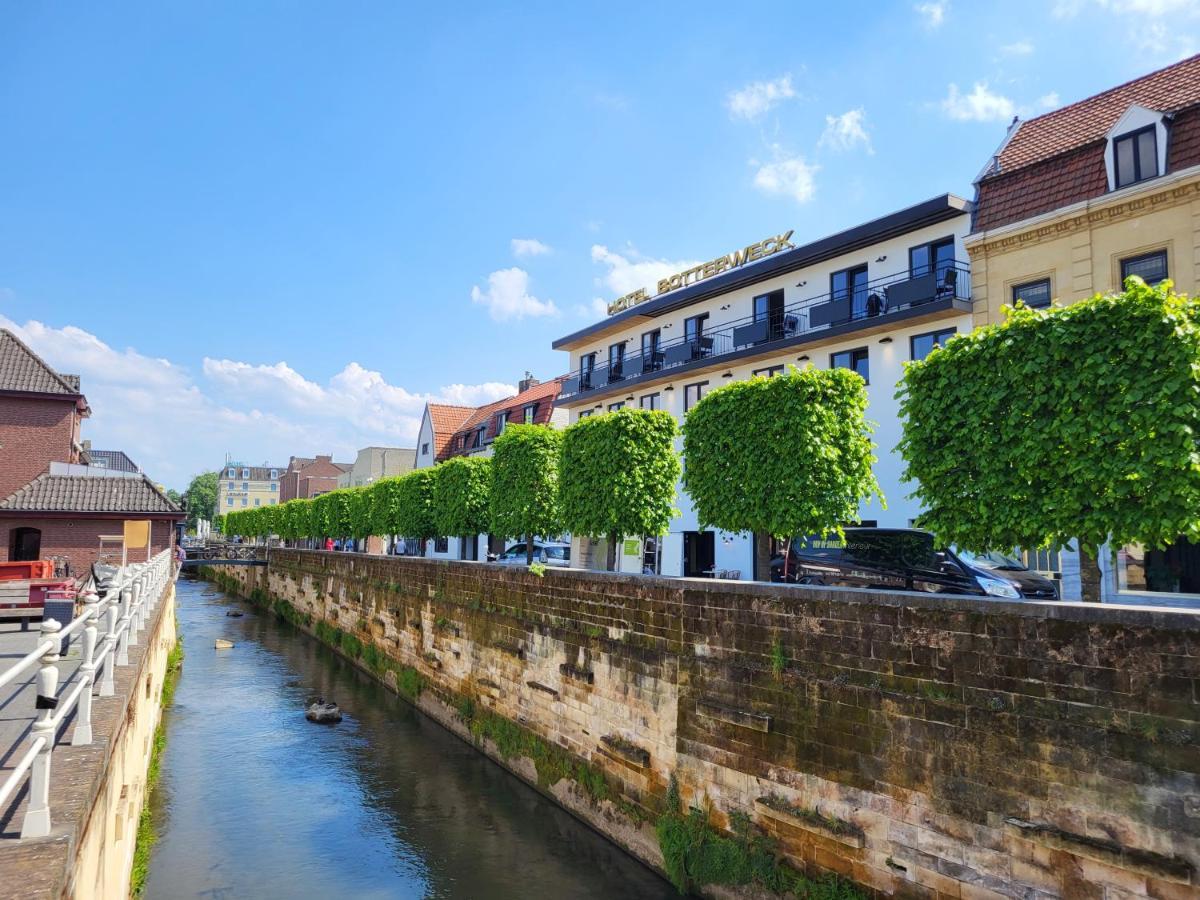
x: 122, y: 615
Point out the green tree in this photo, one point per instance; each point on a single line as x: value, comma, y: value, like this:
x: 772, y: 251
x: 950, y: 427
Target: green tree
x: 524, y: 501
x: 201, y: 498
x: 617, y: 475
x: 781, y: 456
x: 462, y: 496
x: 1076, y: 423
x: 411, y: 511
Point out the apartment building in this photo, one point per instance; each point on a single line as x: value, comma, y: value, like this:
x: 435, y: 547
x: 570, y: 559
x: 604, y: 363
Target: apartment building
x: 305, y: 477
x: 373, y: 463
x: 869, y: 298
x: 241, y: 486
x: 1075, y: 201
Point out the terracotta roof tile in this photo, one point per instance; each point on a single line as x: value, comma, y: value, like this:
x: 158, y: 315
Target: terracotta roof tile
x: 23, y: 370
x: 1166, y: 90
x: 89, y: 493
x: 445, y: 420
x: 543, y: 394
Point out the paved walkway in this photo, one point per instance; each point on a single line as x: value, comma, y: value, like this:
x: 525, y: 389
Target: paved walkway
x: 17, y: 712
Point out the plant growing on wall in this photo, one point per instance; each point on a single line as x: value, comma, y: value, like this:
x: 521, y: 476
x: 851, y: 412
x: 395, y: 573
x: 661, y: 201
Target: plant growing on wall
x: 617, y: 475
x: 1076, y: 423
x: 782, y: 456
x: 524, y: 497
x: 462, y: 489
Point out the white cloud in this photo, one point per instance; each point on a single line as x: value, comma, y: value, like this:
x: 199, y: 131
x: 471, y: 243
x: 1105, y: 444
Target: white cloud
x: 1017, y: 48
x: 1066, y: 9
x: 981, y: 105
x: 757, y: 98
x: 1048, y: 101
x: 529, y: 247
x: 786, y: 174
x: 933, y: 12
x: 597, y: 309
x: 1157, y: 39
x: 846, y: 131
x: 507, y: 296
x: 631, y: 271
x: 175, y: 426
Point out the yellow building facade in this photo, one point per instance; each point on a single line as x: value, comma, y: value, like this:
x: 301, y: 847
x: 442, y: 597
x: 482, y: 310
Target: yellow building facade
x: 240, y: 486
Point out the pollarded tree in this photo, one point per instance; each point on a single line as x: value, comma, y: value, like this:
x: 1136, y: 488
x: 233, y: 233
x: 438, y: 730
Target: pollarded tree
x: 412, y: 507
x: 525, y: 483
x: 358, y: 507
x: 782, y: 456
x: 617, y: 475
x: 462, y: 489
x: 1076, y: 423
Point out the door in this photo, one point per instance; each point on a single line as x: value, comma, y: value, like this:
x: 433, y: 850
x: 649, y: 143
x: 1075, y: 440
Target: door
x: 851, y: 284
x: 699, y: 553
x: 26, y: 544
x: 769, y: 308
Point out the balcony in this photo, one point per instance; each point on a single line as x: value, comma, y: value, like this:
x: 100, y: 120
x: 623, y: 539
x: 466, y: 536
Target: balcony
x: 884, y: 301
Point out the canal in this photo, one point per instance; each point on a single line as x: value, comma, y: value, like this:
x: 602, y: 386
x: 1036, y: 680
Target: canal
x: 255, y: 802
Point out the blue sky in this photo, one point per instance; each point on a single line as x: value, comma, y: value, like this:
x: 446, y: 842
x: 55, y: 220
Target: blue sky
x: 278, y: 228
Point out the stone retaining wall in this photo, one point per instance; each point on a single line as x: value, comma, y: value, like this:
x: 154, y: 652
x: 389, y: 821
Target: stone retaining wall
x: 920, y: 746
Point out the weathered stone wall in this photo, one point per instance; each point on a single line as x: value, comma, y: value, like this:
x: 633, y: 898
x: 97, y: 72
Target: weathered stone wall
x: 924, y: 747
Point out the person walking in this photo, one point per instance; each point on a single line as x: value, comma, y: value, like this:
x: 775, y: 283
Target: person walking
x: 329, y: 543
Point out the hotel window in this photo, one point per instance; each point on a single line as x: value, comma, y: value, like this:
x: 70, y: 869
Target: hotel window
x: 229, y: 501
x: 1032, y: 293
x: 274, y: 474
x: 693, y: 394
x: 274, y: 487
x: 1150, y: 267
x: 1135, y: 156
x: 613, y: 407
x: 693, y: 328
x: 851, y: 284
x: 769, y: 308
x: 855, y: 360
x: 231, y: 485
x: 587, y: 365
x: 650, y: 356
x: 583, y: 414
x: 441, y: 545
x: 257, y: 502
x: 529, y: 414
x: 245, y: 473
x: 271, y: 502
x: 936, y: 256
x: 232, y: 473
x: 616, y: 361
x: 769, y: 372
x: 501, y: 421
x: 245, y: 501
x: 245, y: 485
x: 651, y: 401
x: 922, y: 344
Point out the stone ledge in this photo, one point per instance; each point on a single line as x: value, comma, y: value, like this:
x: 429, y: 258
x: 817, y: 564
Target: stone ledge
x: 1146, y: 862
x: 816, y: 825
x: 739, y: 717
x: 620, y: 750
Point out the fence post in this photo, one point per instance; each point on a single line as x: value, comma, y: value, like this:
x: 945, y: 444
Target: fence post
x: 123, y: 640
x: 37, y: 813
x: 110, y: 640
x: 135, y: 609
x: 87, y: 671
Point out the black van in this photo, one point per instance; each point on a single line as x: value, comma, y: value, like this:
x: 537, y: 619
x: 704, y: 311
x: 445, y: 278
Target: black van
x: 906, y: 559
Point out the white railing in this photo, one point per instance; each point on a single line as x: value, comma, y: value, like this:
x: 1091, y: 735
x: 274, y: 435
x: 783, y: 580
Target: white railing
x: 124, y: 612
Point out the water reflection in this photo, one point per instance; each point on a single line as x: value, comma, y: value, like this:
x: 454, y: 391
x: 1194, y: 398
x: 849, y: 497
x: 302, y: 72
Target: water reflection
x: 255, y: 802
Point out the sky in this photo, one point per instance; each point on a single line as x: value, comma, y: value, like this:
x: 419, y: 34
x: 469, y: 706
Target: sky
x: 280, y: 228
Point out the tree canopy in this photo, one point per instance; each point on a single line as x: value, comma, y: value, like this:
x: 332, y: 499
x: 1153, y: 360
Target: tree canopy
x: 201, y: 498
x: 783, y: 456
x: 524, y: 499
x: 462, y: 489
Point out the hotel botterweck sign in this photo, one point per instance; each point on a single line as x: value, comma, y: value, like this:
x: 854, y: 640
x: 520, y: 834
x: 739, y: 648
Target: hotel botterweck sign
x: 734, y: 260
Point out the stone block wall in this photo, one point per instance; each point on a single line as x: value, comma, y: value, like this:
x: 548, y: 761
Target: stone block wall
x: 920, y: 746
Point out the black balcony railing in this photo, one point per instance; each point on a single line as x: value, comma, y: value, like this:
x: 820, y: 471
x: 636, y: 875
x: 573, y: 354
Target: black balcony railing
x: 868, y: 305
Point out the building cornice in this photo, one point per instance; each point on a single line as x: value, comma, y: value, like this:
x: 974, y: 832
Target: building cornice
x: 1170, y: 190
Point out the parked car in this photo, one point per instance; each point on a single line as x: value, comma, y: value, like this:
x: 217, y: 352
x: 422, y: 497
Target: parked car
x: 552, y: 553
x: 907, y: 559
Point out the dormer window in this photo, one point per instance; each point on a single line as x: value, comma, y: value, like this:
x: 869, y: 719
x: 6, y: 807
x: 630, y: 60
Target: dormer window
x: 1136, y: 156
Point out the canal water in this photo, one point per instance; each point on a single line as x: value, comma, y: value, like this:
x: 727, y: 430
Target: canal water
x: 255, y: 802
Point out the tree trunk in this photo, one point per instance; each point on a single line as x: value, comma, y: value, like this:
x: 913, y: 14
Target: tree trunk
x: 529, y: 549
x: 1089, y: 576
x: 762, y: 556
x: 611, y: 562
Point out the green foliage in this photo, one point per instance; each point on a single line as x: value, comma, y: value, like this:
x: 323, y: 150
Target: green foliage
x: 462, y: 495
x: 779, y: 659
x: 524, y: 499
x: 538, y: 569
x: 618, y: 474
x: 784, y: 456
x: 412, y: 514
x: 1077, y: 422
x: 409, y: 682
x: 201, y: 497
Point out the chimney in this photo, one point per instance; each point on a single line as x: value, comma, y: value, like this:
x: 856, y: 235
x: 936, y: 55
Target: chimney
x: 527, y: 382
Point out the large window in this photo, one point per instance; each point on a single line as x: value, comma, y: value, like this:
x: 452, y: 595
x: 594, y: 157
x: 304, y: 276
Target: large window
x: 693, y: 328
x: 769, y: 308
x: 1135, y: 156
x: 477, y: 438
x: 692, y: 394
x: 650, y: 357
x: 616, y: 361
x: 856, y: 360
x: 922, y: 344
x: 1032, y: 293
x: 441, y: 545
x: 769, y: 371
x: 613, y: 407
x: 501, y: 422
x: 529, y: 414
x: 1150, y: 267
x: 651, y: 401
x: 851, y: 284
x: 587, y: 365
x: 936, y: 256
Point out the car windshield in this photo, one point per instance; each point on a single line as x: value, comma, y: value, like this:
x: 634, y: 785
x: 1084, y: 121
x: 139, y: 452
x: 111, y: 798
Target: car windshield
x: 553, y: 552
x: 514, y: 551
x: 992, y: 559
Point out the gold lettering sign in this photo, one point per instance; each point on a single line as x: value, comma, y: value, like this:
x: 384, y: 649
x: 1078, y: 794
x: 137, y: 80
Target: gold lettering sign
x: 734, y: 260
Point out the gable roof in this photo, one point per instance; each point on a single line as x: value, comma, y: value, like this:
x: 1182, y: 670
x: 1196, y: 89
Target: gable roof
x: 23, y: 370
x: 486, y: 416
x: 90, y: 494
x: 445, y: 420
x: 1080, y: 123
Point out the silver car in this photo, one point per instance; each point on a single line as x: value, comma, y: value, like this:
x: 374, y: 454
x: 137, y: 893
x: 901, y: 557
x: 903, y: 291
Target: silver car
x: 550, y: 553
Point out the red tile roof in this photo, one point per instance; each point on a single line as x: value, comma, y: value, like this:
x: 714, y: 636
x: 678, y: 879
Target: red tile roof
x: 543, y: 394
x: 1070, y: 127
x: 445, y: 420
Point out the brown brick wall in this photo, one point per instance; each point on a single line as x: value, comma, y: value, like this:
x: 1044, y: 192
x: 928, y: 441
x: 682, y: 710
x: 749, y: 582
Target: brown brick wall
x: 78, y: 539
x: 976, y: 748
x: 33, y: 434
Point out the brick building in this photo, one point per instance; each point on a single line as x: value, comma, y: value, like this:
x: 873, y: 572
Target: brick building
x: 52, y: 503
x: 306, y: 477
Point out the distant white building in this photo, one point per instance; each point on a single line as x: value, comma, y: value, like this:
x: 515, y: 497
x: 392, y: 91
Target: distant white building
x: 373, y: 463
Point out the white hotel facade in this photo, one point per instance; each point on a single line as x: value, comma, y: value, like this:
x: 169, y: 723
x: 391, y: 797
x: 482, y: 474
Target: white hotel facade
x: 870, y: 298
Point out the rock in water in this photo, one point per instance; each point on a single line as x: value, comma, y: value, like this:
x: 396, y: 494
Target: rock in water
x: 235, y: 614
x: 222, y: 644
x: 323, y: 713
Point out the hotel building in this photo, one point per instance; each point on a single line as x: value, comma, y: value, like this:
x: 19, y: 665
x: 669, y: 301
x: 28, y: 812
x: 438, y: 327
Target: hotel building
x: 240, y: 486
x: 870, y: 298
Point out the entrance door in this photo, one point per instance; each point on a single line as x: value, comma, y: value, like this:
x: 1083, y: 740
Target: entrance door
x: 26, y: 544
x: 699, y: 553
x: 468, y: 547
